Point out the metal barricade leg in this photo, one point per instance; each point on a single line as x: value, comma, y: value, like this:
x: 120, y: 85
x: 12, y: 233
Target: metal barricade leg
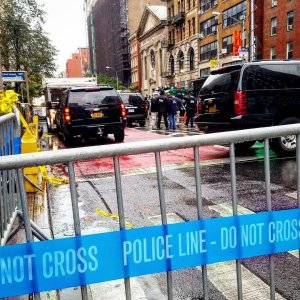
x: 163, y: 215
x: 76, y: 218
x: 200, y: 212
x: 121, y: 214
x: 26, y: 218
x: 235, y: 213
x: 269, y: 208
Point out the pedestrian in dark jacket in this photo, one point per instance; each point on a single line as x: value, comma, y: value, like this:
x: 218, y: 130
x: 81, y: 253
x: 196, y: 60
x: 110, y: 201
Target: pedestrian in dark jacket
x: 191, y: 106
x: 154, y: 109
x: 162, y: 106
x: 173, y: 107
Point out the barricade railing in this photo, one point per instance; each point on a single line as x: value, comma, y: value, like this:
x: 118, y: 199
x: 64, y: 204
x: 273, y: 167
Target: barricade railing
x: 8, y: 195
x: 70, y: 156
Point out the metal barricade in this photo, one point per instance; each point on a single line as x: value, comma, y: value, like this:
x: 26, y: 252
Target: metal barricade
x: 70, y: 156
x: 8, y: 196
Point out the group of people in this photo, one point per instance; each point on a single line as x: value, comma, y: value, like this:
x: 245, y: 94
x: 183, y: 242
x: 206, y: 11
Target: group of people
x: 168, y: 108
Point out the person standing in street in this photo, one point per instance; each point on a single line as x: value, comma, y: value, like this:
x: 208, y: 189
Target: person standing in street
x: 162, y: 107
x: 154, y: 109
x: 191, y: 106
x: 172, y: 110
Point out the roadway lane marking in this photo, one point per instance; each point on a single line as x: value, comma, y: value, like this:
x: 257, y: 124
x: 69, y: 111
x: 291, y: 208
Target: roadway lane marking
x: 225, y: 210
x: 223, y: 275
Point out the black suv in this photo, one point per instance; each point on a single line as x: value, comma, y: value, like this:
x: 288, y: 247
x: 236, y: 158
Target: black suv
x: 86, y: 112
x: 136, y: 108
x: 251, y: 95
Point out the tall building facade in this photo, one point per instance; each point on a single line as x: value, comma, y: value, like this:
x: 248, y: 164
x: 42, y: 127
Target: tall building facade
x: 108, y: 33
x: 182, y: 43
x: 281, y: 29
x: 135, y: 11
x: 77, y: 66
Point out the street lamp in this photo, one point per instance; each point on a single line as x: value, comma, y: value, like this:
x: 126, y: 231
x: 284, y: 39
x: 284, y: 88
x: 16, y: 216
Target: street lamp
x: 217, y: 14
x: 107, y: 68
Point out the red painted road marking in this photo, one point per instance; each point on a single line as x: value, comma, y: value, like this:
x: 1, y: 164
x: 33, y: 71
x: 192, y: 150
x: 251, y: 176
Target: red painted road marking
x: 142, y: 161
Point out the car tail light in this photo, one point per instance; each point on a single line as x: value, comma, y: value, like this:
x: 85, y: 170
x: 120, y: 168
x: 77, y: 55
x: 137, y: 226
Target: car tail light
x: 240, y: 103
x: 67, y: 115
x: 123, y: 109
x: 199, y: 105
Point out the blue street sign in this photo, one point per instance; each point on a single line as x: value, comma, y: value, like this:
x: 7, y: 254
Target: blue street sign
x: 82, y: 260
x: 11, y: 76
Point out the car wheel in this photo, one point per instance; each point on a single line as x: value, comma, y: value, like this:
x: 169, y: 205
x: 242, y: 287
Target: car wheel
x: 285, y: 145
x: 142, y: 123
x: 244, y: 146
x: 119, y: 136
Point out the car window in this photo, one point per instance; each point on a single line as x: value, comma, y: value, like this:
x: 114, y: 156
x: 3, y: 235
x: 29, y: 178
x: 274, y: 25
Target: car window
x: 220, y: 83
x: 132, y: 99
x: 271, y: 77
x: 82, y: 97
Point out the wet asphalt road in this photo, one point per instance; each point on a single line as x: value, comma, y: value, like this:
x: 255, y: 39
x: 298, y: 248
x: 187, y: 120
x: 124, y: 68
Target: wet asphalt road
x: 142, y: 209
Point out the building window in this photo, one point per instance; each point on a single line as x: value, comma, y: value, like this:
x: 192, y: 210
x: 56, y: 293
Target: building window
x: 273, y: 26
x: 274, y: 3
x: 189, y: 25
x: 208, y: 51
x: 233, y: 14
x: 172, y: 64
x: 207, y: 4
x: 152, y: 59
x: 289, y: 50
x: 209, y: 26
x: 273, y: 53
x: 188, y: 4
x: 290, y: 21
x: 194, y: 3
x: 192, y: 59
x: 194, y: 26
x: 227, y: 44
x: 181, y: 61
x: 204, y: 72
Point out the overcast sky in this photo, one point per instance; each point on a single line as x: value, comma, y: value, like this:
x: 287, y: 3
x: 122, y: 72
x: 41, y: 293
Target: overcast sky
x: 65, y: 23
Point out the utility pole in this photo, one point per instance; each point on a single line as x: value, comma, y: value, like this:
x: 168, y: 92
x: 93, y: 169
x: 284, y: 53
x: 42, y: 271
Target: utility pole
x: 252, y: 42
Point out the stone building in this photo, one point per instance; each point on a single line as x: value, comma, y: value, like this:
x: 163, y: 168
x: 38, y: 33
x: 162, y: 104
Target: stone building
x: 182, y: 43
x: 151, y: 34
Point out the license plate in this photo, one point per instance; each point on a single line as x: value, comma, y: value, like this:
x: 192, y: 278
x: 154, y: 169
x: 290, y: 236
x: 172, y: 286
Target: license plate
x: 130, y: 110
x: 97, y: 114
x: 212, y: 109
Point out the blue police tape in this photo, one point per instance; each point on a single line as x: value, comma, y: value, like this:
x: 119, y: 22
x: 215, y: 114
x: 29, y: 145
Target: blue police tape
x: 57, y: 264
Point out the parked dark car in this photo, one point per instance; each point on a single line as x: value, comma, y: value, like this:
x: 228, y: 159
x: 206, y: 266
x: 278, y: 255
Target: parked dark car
x: 252, y: 95
x: 136, y: 108
x: 90, y: 112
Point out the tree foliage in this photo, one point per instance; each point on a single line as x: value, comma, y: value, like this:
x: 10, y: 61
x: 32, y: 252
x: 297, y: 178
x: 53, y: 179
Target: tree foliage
x: 24, y: 44
x: 112, y: 81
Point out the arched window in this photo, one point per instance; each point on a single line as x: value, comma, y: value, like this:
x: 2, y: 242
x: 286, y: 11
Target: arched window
x: 181, y: 61
x: 192, y: 59
x: 172, y: 64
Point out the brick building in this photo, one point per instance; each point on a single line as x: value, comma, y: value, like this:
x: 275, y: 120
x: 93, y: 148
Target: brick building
x: 281, y: 29
x: 77, y: 66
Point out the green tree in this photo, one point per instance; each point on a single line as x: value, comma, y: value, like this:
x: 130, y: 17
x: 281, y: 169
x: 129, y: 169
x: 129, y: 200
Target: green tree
x: 112, y: 81
x: 24, y: 44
